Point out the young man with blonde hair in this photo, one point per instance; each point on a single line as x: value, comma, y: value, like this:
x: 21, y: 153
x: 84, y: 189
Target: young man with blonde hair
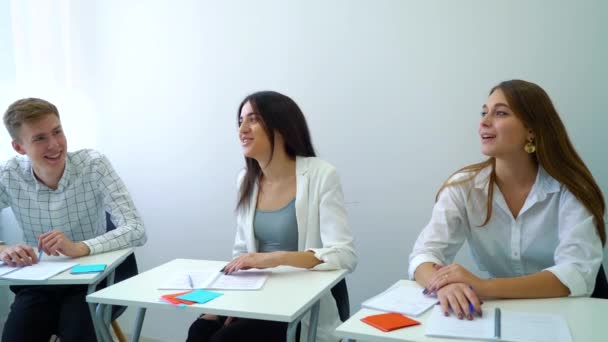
x: 60, y: 200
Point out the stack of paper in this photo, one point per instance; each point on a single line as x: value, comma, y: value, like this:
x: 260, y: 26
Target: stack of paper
x: 40, y: 271
x: 400, y: 298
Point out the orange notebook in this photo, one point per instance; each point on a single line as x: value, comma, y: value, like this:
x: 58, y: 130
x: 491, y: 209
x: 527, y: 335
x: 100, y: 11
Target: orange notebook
x: 389, y: 321
x: 170, y: 298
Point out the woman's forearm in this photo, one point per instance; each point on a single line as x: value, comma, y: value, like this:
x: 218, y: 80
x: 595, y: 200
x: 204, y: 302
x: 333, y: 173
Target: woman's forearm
x: 537, y: 285
x: 297, y: 259
x: 424, y: 273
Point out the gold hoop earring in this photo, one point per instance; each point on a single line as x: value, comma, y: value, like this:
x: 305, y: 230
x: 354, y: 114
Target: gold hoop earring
x: 530, y: 147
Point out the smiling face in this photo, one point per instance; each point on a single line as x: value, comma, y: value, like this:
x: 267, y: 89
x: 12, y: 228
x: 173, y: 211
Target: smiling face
x: 252, y: 134
x: 502, y: 133
x: 45, y: 144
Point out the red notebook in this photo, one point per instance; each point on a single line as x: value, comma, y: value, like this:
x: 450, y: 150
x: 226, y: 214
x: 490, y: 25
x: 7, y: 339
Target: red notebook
x: 170, y: 298
x: 389, y: 321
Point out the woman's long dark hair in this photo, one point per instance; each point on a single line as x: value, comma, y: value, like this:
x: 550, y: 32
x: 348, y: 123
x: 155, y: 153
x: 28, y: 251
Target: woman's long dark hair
x: 281, y: 114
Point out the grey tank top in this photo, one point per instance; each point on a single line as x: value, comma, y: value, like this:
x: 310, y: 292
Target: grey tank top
x: 276, y: 230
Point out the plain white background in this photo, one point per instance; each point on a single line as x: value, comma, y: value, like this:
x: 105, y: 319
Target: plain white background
x: 392, y: 91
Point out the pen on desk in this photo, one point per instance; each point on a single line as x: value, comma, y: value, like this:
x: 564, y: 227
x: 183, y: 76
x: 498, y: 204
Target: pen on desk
x: 497, y: 323
x: 40, y: 249
x: 190, y: 282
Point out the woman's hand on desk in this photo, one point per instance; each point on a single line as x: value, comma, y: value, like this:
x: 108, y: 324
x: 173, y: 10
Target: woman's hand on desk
x: 252, y: 260
x: 461, y: 299
x: 452, y: 274
x: 18, y: 255
x: 56, y: 243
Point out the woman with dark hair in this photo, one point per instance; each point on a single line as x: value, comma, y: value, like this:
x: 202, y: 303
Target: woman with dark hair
x: 532, y: 213
x: 290, y: 211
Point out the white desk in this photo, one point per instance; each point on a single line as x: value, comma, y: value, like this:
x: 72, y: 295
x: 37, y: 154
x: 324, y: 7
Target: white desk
x: 586, y: 318
x: 289, y: 294
x: 111, y: 259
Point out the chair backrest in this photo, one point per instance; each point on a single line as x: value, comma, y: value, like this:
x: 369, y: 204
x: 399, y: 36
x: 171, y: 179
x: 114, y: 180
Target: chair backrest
x: 126, y: 269
x: 340, y: 294
x: 601, y: 285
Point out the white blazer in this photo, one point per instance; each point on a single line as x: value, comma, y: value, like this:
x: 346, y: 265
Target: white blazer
x: 322, y: 228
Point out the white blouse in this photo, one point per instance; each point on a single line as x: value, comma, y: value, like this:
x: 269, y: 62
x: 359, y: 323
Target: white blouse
x: 553, y: 232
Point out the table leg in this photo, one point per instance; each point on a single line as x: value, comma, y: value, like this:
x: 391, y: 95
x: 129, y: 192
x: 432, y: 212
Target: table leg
x: 101, y: 326
x: 103, y: 329
x: 108, y: 313
x: 292, y: 327
x: 139, y: 322
x: 314, y: 320
x: 95, y: 324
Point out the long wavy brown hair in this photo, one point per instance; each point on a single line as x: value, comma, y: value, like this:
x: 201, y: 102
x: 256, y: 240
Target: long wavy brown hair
x: 554, y: 151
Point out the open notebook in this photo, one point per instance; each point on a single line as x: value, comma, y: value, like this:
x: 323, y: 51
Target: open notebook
x: 402, y: 299
x: 500, y: 325
x: 215, y: 280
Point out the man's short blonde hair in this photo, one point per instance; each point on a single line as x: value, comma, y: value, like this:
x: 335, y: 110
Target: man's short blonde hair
x: 26, y: 110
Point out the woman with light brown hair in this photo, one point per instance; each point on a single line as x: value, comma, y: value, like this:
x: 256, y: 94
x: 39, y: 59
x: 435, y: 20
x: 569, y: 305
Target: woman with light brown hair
x: 532, y: 213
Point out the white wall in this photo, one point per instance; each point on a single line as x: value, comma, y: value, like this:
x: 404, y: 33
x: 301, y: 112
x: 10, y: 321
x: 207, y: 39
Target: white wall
x: 392, y: 91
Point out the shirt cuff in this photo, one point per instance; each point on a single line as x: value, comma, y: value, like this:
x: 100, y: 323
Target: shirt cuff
x: 92, y: 250
x: 420, y: 259
x: 324, y: 254
x: 571, y: 278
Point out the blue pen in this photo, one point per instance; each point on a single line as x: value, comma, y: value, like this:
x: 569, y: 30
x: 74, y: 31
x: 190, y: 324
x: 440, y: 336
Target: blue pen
x: 471, y: 308
x: 190, y: 282
x: 40, y: 251
x: 497, y: 323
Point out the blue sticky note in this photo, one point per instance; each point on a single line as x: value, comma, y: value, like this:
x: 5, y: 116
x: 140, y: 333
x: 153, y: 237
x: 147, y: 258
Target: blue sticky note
x: 90, y: 268
x: 200, y: 296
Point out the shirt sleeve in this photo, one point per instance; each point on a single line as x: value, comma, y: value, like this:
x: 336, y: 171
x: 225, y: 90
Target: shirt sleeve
x: 578, y: 255
x: 117, y: 202
x: 4, y: 197
x: 338, y: 251
x: 444, y: 235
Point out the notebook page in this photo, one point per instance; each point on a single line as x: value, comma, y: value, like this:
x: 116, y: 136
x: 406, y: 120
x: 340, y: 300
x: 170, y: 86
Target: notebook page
x: 4, y: 269
x: 242, y: 280
x: 530, y: 327
x: 403, y: 299
x: 40, y: 271
x: 481, y: 328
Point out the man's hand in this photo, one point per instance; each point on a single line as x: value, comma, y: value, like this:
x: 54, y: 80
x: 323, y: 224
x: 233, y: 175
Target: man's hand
x: 56, y: 243
x: 18, y: 255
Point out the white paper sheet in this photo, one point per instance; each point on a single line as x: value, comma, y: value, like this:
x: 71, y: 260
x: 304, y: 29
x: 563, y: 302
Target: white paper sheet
x: 4, y: 269
x: 514, y: 326
x: 403, y: 299
x: 481, y: 328
x: 531, y: 327
x: 40, y: 271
